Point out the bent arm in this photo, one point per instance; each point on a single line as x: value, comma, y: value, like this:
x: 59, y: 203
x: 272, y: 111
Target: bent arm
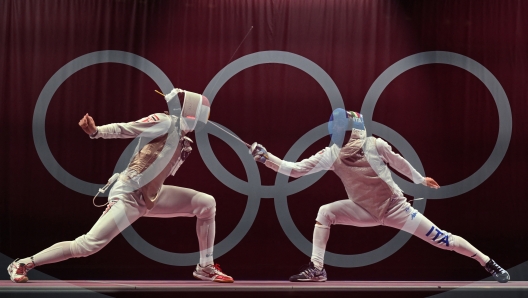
x: 323, y: 160
x: 397, y: 162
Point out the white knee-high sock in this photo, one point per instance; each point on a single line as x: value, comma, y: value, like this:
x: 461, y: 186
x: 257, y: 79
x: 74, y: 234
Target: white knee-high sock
x: 205, y: 230
x: 320, y: 238
x: 465, y: 248
x: 53, y: 254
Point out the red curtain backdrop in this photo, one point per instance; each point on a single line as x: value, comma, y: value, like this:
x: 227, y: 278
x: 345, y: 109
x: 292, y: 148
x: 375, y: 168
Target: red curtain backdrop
x: 446, y: 114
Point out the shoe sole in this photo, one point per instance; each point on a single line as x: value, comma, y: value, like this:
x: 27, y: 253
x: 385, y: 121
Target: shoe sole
x: 502, y: 280
x: 200, y: 277
x: 21, y: 280
x: 308, y: 280
x: 224, y: 281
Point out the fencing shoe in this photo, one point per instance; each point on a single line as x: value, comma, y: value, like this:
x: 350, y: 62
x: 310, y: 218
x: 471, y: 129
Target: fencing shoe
x: 18, y: 271
x: 309, y: 273
x: 497, y: 272
x: 211, y: 273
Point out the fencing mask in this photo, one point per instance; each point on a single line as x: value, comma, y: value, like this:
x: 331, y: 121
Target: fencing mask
x: 194, y: 111
x: 339, y: 123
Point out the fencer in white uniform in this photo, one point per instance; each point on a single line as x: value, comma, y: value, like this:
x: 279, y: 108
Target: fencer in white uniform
x: 373, y: 197
x: 139, y: 190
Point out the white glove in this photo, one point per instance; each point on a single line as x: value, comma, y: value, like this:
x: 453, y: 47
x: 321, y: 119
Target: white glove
x: 259, y: 152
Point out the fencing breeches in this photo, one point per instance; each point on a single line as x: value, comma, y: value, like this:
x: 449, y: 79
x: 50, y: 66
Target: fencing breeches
x: 400, y: 215
x: 172, y: 202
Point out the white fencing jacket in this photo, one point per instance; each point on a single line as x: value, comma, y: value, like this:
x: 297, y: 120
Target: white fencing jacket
x: 366, y: 177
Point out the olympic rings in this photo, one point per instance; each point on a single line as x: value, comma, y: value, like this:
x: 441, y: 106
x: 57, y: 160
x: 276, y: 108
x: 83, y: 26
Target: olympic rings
x: 282, y: 188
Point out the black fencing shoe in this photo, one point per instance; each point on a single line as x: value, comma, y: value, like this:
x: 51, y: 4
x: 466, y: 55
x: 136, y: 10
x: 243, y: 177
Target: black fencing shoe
x: 497, y: 272
x: 309, y: 273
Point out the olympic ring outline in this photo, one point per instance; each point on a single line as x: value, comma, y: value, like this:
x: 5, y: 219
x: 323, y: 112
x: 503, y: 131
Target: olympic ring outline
x: 476, y: 69
x: 250, y: 60
x: 41, y: 107
x: 376, y: 127
x: 78, y: 185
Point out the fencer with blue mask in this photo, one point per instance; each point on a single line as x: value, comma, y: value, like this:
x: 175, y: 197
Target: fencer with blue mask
x: 374, y: 199
x: 139, y: 190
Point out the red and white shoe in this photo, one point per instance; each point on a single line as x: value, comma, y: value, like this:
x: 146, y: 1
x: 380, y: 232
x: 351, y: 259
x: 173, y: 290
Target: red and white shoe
x: 211, y: 273
x: 18, y: 271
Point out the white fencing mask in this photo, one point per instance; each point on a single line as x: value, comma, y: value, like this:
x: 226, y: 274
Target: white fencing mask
x: 195, y: 109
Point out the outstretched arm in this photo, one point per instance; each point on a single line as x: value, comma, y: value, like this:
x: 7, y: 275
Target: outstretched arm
x: 400, y: 164
x: 321, y: 161
x: 152, y: 126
